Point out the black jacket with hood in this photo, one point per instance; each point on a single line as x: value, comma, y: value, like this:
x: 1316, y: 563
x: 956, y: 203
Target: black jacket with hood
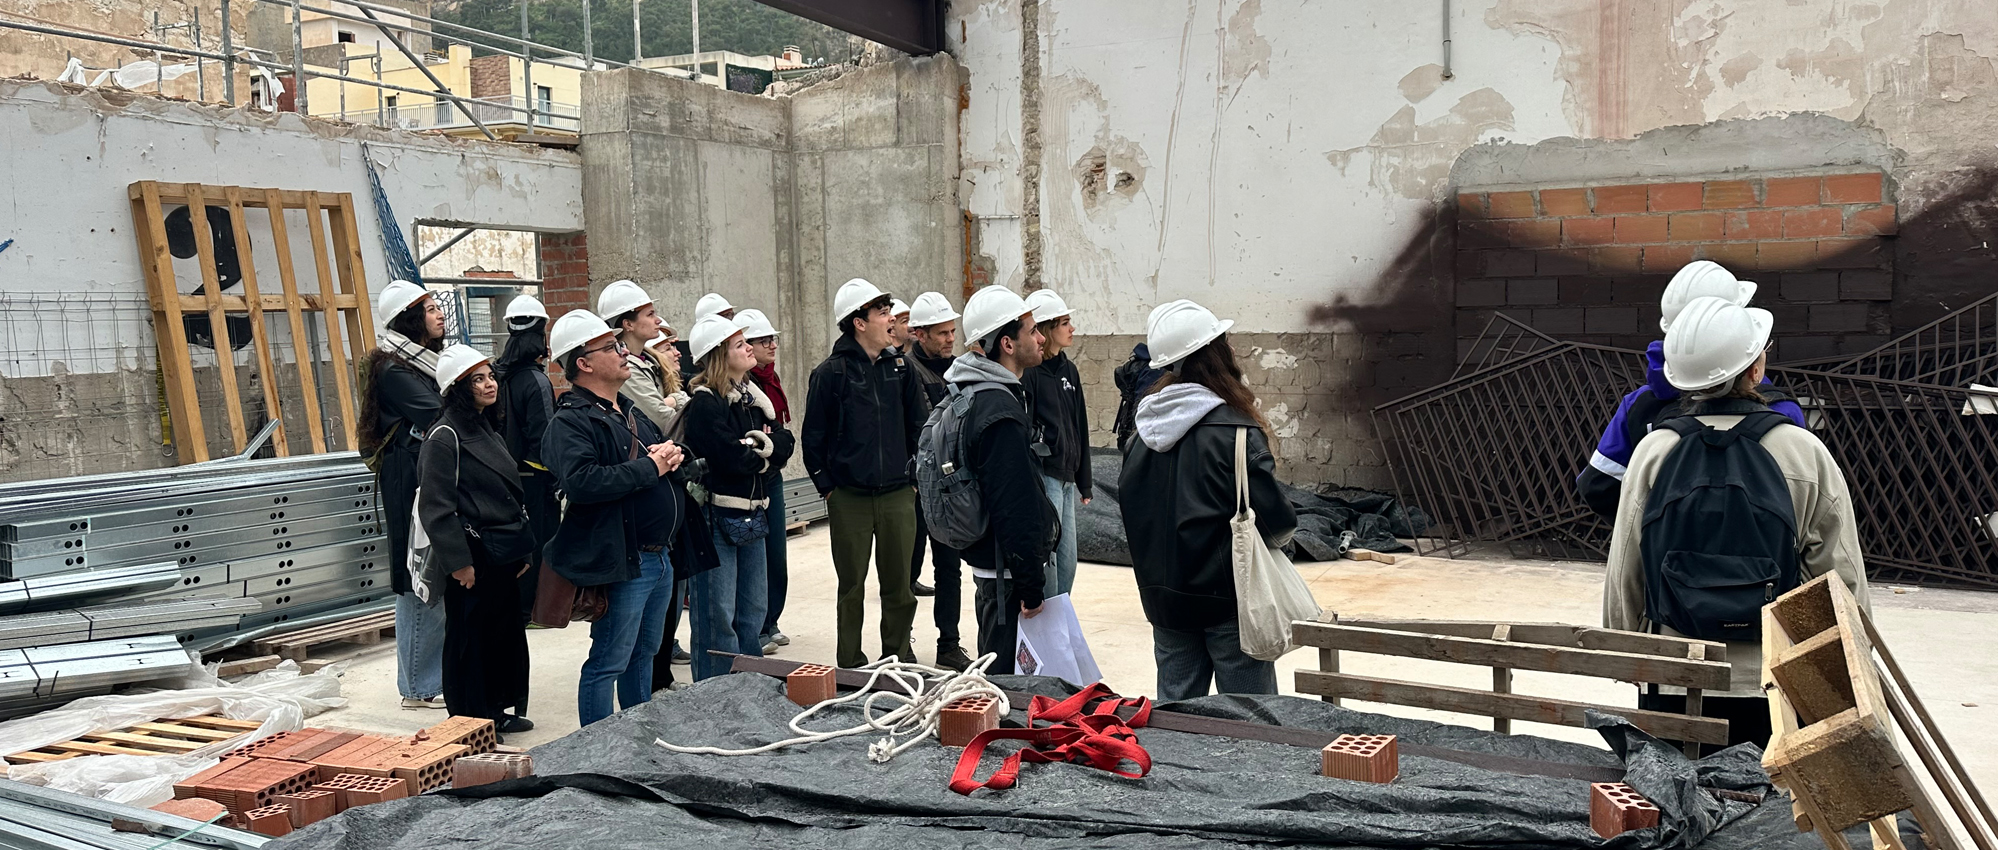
x: 1020, y: 529
x: 738, y: 475
x: 468, y: 479
x: 588, y: 446
x: 1184, y: 461
x: 1063, y: 417
x: 861, y: 421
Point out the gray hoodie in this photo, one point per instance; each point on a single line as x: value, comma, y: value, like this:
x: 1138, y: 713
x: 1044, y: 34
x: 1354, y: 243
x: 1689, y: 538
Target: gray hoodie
x: 1165, y: 416
x: 971, y: 367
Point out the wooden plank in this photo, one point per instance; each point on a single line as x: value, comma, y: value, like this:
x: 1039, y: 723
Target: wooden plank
x: 32, y: 757
x: 342, y: 371
x: 266, y: 373
x: 1985, y: 831
x: 353, y: 278
x: 270, y: 303
x: 183, y: 405
x: 294, y: 309
x: 218, y: 325
x: 246, y: 666
x: 98, y: 749
x: 1557, y: 634
x: 1328, y: 661
x: 1484, y: 652
x: 1813, y: 677
x: 194, y: 733
x: 1502, y: 679
x: 177, y: 193
x: 148, y: 742
x: 1558, y: 712
x: 210, y: 721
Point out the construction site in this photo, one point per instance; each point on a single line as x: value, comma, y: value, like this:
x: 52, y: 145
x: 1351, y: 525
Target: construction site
x: 1449, y: 253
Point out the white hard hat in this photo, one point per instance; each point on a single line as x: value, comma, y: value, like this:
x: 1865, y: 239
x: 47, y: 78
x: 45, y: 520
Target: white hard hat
x: 1181, y: 328
x: 1701, y: 279
x: 754, y: 323
x: 709, y: 333
x: 931, y: 308
x: 574, y: 330
x: 619, y: 298
x: 396, y: 297
x: 853, y: 295
x: 711, y: 304
x: 1047, y: 305
x: 455, y: 362
x: 1153, y: 317
x: 1713, y: 340
x: 525, y: 306
x: 897, y: 307
x: 989, y: 309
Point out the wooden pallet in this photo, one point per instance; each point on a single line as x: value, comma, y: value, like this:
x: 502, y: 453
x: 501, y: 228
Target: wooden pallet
x: 367, y: 629
x: 160, y: 737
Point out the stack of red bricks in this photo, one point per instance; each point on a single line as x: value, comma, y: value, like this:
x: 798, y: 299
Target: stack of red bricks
x: 565, y: 281
x: 292, y: 779
x: 1588, y: 263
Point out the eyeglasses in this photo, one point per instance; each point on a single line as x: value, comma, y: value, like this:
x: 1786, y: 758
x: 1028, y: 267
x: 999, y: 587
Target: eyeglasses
x: 613, y: 344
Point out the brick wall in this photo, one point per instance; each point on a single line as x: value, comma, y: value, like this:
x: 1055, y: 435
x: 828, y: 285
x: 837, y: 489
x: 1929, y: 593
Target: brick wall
x: 1588, y: 263
x: 565, y: 280
x: 492, y: 76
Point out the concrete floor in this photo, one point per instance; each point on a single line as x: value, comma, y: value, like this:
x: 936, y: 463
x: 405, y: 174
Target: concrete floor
x: 1942, y: 639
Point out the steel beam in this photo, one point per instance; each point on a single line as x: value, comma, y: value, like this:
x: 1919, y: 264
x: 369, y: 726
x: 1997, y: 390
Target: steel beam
x: 915, y: 27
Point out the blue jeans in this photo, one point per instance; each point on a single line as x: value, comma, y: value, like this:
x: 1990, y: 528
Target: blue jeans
x: 623, y: 642
x: 419, y: 647
x: 1188, y: 661
x: 774, y: 554
x: 728, y: 603
x: 1067, y: 500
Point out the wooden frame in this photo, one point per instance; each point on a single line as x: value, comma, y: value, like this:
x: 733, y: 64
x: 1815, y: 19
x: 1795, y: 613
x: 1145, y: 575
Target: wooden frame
x: 1546, y: 647
x: 1835, y: 711
x: 342, y: 296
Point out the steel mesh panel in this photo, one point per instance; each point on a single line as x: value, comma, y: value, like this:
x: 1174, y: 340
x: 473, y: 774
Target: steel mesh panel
x: 1503, y: 340
x: 1954, y: 351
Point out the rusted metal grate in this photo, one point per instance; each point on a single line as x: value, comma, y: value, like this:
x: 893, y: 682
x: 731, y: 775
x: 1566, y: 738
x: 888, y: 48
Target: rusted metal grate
x: 1956, y: 350
x: 1503, y: 340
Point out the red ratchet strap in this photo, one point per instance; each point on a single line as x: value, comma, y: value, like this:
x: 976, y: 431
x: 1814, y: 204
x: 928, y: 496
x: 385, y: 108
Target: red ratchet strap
x: 1096, y: 737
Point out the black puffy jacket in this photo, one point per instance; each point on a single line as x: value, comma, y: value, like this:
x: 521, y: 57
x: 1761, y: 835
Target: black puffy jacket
x: 1179, y: 533
x: 862, y: 416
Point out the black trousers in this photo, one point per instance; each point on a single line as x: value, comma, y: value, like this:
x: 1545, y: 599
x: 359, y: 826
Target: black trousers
x: 662, y: 663
x: 485, y: 644
x: 544, y: 514
x: 949, y: 580
x: 1747, y: 717
x: 998, y: 623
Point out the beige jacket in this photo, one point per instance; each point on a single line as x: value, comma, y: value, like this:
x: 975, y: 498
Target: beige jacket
x: 647, y: 390
x: 1827, y: 536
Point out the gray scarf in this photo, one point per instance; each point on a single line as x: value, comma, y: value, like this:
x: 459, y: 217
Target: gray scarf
x: 408, y: 350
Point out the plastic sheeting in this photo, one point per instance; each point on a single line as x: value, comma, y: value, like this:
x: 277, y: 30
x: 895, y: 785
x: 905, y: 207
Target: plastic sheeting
x: 607, y: 787
x: 280, y: 698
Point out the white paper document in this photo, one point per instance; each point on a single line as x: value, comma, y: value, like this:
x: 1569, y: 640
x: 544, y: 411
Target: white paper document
x: 1051, y: 644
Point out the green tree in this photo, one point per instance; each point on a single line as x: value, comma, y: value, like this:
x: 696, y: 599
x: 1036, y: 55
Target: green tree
x: 743, y: 26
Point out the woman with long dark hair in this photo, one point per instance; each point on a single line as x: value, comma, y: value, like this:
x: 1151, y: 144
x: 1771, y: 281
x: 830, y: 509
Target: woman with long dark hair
x: 479, y: 544
x: 1184, y: 462
x: 399, y: 402
x: 732, y: 424
x: 526, y: 403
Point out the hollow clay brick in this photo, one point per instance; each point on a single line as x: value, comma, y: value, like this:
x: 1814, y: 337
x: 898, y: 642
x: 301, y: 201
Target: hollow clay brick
x: 477, y: 734
x: 191, y: 787
x: 965, y: 717
x: 810, y: 685
x: 468, y: 771
x: 368, y: 790
x: 1616, y: 808
x: 1362, y: 758
x: 338, y: 786
x: 273, y: 820
x: 309, y: 807
x: 194, y: 808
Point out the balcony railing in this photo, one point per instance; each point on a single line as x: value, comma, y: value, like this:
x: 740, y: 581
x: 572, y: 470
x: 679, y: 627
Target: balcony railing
x: 497, y: 111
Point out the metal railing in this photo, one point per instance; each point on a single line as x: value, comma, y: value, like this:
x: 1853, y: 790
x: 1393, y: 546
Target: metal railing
x: 444, y: 115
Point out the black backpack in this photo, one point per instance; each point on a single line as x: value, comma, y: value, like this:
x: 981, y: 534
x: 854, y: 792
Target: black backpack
x: 1720, y: 535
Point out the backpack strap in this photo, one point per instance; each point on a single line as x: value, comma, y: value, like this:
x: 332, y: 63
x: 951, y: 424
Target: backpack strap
x: 1755, y: 426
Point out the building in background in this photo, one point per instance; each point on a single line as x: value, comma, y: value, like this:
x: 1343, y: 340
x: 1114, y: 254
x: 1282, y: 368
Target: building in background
x: 736, y: 71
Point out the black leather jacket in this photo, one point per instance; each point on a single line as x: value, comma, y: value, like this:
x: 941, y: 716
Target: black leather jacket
x: 1179, y: 534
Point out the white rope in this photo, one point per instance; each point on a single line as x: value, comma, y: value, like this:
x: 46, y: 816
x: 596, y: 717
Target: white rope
x: 921, y: 693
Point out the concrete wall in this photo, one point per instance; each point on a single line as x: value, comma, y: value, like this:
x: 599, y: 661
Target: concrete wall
x: 72, y: 275
x: 1293, y: 162
x: 774, y: 202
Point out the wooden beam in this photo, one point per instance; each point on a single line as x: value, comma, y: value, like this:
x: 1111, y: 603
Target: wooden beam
x: 1558, y: 712
x: 1556, y: 634
x: 218, y: 320
x: 183, y: 404
x: 315, y: 217
x: 1622, y: 666
x: 353, y: 284
x: 269, y: 303
x: 293, y: 305
x: 178, y: 193
x: 266, y: 372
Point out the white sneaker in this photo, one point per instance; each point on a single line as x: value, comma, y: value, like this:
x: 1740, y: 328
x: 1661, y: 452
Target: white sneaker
x: 433, y: 702
x: 780, y: 639
x: 769, y: 647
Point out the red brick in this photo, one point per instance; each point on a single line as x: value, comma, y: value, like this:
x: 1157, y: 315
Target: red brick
x: 810, y: 685
x: 1534, y: 233
x: 1564, y: 201
x: 1616, y: 808
x: 1812, y: 223
x: 1696, y: 227
x: 490, y: 767
x: 1361, y: 758
x: 1792, y: 191
x: 1737, y: 257
x: 1754, y: 224
x: 273, y: 820
x: 1561, y: 261
x: 1673, y: 197
x: 1666, y: 259
x: 1786, y: 256
x: 1471, y: 204
x: 1620, y: 199
x: 1481, y: 233
x: 1508, y: 263
x: 368, y: 790
x: 1621, y: 259
x: 1728, y: 194
x: 1850, y: 253
x: 1870, y: 221
x: 1588, y: 231
x: 195, y: 808
x: 1639, y: 229
x: 1512, y: 205
x: 1853, y: 188
x: 310, y: 807
x: 965, y: 717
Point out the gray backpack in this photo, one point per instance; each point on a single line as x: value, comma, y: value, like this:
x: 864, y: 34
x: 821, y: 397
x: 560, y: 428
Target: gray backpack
x: 953, y: 506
